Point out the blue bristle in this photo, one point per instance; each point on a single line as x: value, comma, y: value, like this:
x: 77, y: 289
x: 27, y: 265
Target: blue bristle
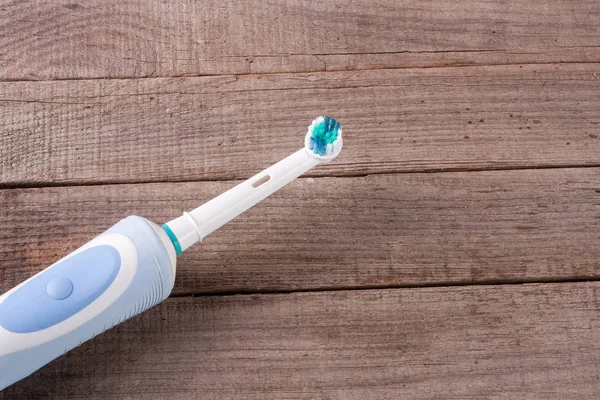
x: 323, y: 133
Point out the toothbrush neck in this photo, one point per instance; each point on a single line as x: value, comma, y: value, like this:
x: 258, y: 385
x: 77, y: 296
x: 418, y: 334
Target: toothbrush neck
x: 193, y: 226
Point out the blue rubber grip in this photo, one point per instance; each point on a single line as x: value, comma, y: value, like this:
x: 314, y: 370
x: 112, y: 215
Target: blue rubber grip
x: 61, y: 291
x: 63, y: 297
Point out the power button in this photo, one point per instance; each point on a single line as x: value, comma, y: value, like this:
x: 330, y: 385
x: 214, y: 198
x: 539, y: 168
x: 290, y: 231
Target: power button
x: 59, y: 288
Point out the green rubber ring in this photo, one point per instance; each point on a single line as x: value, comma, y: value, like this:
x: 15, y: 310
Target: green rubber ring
x: 173, y: 238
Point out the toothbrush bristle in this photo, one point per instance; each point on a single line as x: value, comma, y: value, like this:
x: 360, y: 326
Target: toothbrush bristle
x: 325, y: 136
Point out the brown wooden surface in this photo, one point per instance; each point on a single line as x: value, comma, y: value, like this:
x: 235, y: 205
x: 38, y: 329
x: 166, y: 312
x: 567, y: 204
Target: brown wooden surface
x: 104, y: 113
x: 232, y: 127
x: 63, y: 39
x: 326, y: 233
x: 481, y: 342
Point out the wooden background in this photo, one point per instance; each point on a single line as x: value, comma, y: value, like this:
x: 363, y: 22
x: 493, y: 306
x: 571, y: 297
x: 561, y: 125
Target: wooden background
x: 452, y: 251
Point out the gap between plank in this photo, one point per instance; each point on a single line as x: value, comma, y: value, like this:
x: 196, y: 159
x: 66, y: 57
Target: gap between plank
x: 4, y: 186
x: 441, y: 66
x: 491, y: 282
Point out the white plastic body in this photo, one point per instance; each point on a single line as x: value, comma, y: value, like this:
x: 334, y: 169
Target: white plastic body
x: 193, y: 226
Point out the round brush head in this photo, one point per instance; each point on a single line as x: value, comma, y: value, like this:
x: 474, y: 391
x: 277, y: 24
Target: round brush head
x: 324, y: 138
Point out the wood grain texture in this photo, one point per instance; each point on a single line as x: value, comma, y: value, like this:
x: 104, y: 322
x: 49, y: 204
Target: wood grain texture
x: 62, y: 39
x: 228, y: 127
x: 488, y: 342
x: 324, y: 233
x: 497, y: 88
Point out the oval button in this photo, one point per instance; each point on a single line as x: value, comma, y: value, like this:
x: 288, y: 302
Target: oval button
x: 59, y: 288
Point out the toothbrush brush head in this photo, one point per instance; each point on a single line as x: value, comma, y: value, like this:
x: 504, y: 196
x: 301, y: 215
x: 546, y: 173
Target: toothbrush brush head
x: 324, y: 138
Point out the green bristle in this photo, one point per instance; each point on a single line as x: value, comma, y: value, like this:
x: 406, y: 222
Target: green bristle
x: 324, y: 131
x: 323, y: 134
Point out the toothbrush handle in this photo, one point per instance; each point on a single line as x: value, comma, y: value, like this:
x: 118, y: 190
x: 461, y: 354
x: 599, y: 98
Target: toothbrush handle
x: 117, y: 275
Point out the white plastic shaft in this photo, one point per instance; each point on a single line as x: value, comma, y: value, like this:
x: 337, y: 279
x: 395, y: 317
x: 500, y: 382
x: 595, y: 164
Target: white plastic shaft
x: 193, y: 226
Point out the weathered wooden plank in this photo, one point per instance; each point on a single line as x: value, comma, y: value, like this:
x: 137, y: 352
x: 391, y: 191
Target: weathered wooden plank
x: 175, y: 129
x: 60, y: 39
x: 478, y: 342
x: 322, y: 233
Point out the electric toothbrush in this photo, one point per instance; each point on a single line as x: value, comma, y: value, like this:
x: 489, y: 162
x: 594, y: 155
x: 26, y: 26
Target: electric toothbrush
x: 129, y: 268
